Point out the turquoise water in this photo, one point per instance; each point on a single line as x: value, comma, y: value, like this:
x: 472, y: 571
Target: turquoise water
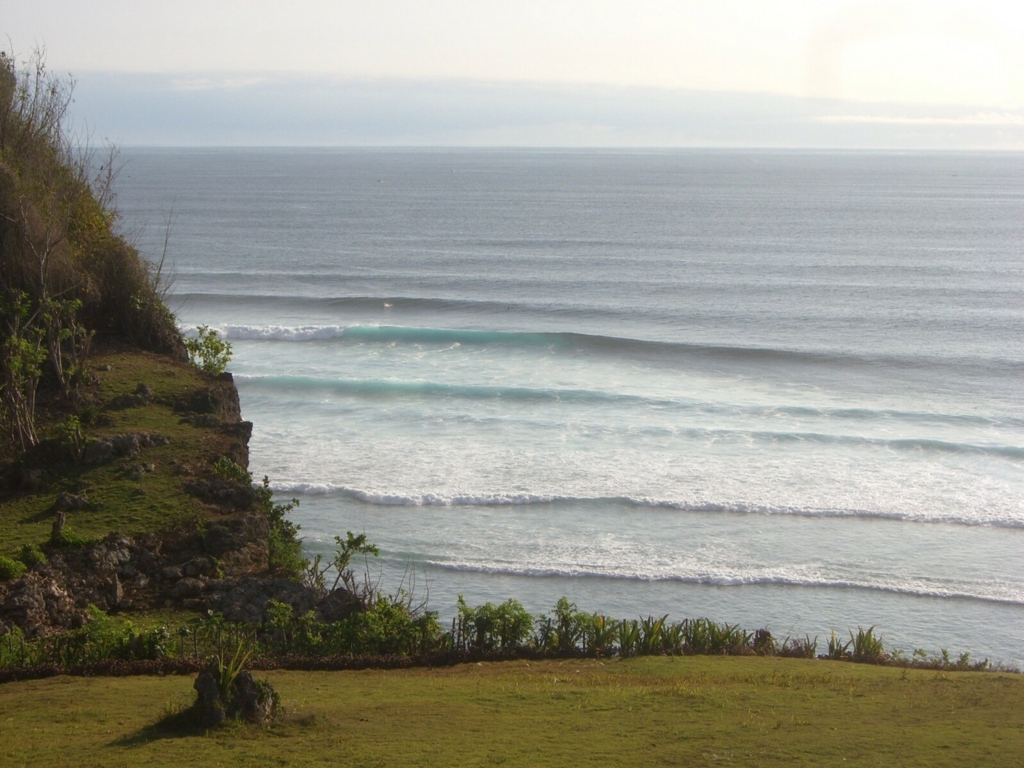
x: 777, y: 389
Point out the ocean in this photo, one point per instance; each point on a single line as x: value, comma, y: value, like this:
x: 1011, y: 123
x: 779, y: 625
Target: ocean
x: 778, y: 389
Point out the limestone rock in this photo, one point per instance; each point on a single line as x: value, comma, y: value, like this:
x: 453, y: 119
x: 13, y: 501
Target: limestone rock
x: 141, y: 396
x: 97, y: 452
x: 248, y: 699
x: 221, y: 401
x: 69, y: 501
x: 187, y: 587
x: 225, y: 493
x: 256, y: 700
x: 211, y: 710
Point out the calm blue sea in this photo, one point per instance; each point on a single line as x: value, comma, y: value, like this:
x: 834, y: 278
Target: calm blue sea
x: 783, y: 389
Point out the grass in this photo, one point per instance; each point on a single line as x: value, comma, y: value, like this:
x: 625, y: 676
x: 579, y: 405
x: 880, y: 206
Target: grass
x: 153, y: 502
x: 645, y: 711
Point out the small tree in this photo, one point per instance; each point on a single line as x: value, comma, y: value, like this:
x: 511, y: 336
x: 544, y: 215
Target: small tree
x: 316, y: 571
x: 208, y: 351
x: 22, y: 353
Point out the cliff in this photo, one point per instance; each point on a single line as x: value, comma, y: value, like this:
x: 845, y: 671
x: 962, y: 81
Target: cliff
x: 147, y: 516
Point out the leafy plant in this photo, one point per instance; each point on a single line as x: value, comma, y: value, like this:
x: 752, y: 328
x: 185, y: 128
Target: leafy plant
x: 601, y: 637
x: 70, y: 435
x: 22, y: 353
x: 10, y: 569
x: 67, y: 342
x: 227, y: 670
x: 866, y: 645
x: 208, y: 351
x: 490, y: 626
x: 629, y: 637
x: 315, y: 572
x: 31, y: 555
x: 650, y: 634
x: 70, y: 538
x: 836, y: 648
x: 283, y: 543
x: 227, y: 469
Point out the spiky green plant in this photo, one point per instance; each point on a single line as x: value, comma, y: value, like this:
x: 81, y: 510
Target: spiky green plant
x: 836, y: 648
x: 601, y: 636
x: 866, y: 645
x: 227, y: 671
x: 672, y: 637
x: 650, y: 635
x: 629, y: 637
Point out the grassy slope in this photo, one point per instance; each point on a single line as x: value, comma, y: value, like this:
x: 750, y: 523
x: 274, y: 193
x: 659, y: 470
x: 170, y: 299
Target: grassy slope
x: 26, y: 518
x: 648, y: 711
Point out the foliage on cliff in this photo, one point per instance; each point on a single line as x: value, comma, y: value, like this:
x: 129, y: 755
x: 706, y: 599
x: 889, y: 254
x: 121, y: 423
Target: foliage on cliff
x: 66, y: 272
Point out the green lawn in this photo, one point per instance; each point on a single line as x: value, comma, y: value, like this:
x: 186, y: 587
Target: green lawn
x: 648, y: 711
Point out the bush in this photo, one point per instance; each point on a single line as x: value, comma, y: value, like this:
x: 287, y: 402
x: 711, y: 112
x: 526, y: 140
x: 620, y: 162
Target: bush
x: 31, y: 555
x: 490, y: 626
x: 226, y: 469
x: 10, y: 569
x: 209, y: 351
x: 70, y: 435
x: 283, y: 543
x: 70, y: 539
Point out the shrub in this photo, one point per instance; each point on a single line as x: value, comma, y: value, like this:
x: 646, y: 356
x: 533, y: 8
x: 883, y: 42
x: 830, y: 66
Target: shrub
x: 490, y: 626
x: 10, y: 569
x: 564, y: 629
x: 69, y: 432
x: 31, y: 555
x: 837, y: 649
x: 602, y: 633
x: 866, y: 645
x: 389, y: 626
x: 226, y: 469
x: 69, y: 538
x: 209, y: 351
x: 797, y: 648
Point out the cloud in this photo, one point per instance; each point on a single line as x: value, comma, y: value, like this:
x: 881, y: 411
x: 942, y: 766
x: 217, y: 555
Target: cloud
x: 216, y: 82
x: 982, y: 118
x: 266, y: 109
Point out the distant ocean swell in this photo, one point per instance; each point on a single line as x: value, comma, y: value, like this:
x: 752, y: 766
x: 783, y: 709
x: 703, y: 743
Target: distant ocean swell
x: 401, y: 303
x: 611, y: 345
x: 380, y: 498
x: 727, y: 578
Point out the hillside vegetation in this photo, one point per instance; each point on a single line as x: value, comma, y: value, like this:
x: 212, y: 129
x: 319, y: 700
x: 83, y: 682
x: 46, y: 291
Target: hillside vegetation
x: 67, y: 277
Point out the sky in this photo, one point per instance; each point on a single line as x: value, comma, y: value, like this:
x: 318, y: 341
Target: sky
x: 554, y: 73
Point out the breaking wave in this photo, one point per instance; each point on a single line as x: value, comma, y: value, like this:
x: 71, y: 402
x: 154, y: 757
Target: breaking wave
x: 383, y: 498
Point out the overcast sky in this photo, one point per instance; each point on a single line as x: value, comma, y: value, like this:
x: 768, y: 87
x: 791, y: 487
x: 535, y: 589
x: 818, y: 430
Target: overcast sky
x: 785, y: 73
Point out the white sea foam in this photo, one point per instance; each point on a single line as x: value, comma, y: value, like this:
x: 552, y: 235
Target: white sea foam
x: 273, y: 332
x: 392, y: 499
x: 997, y: 593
